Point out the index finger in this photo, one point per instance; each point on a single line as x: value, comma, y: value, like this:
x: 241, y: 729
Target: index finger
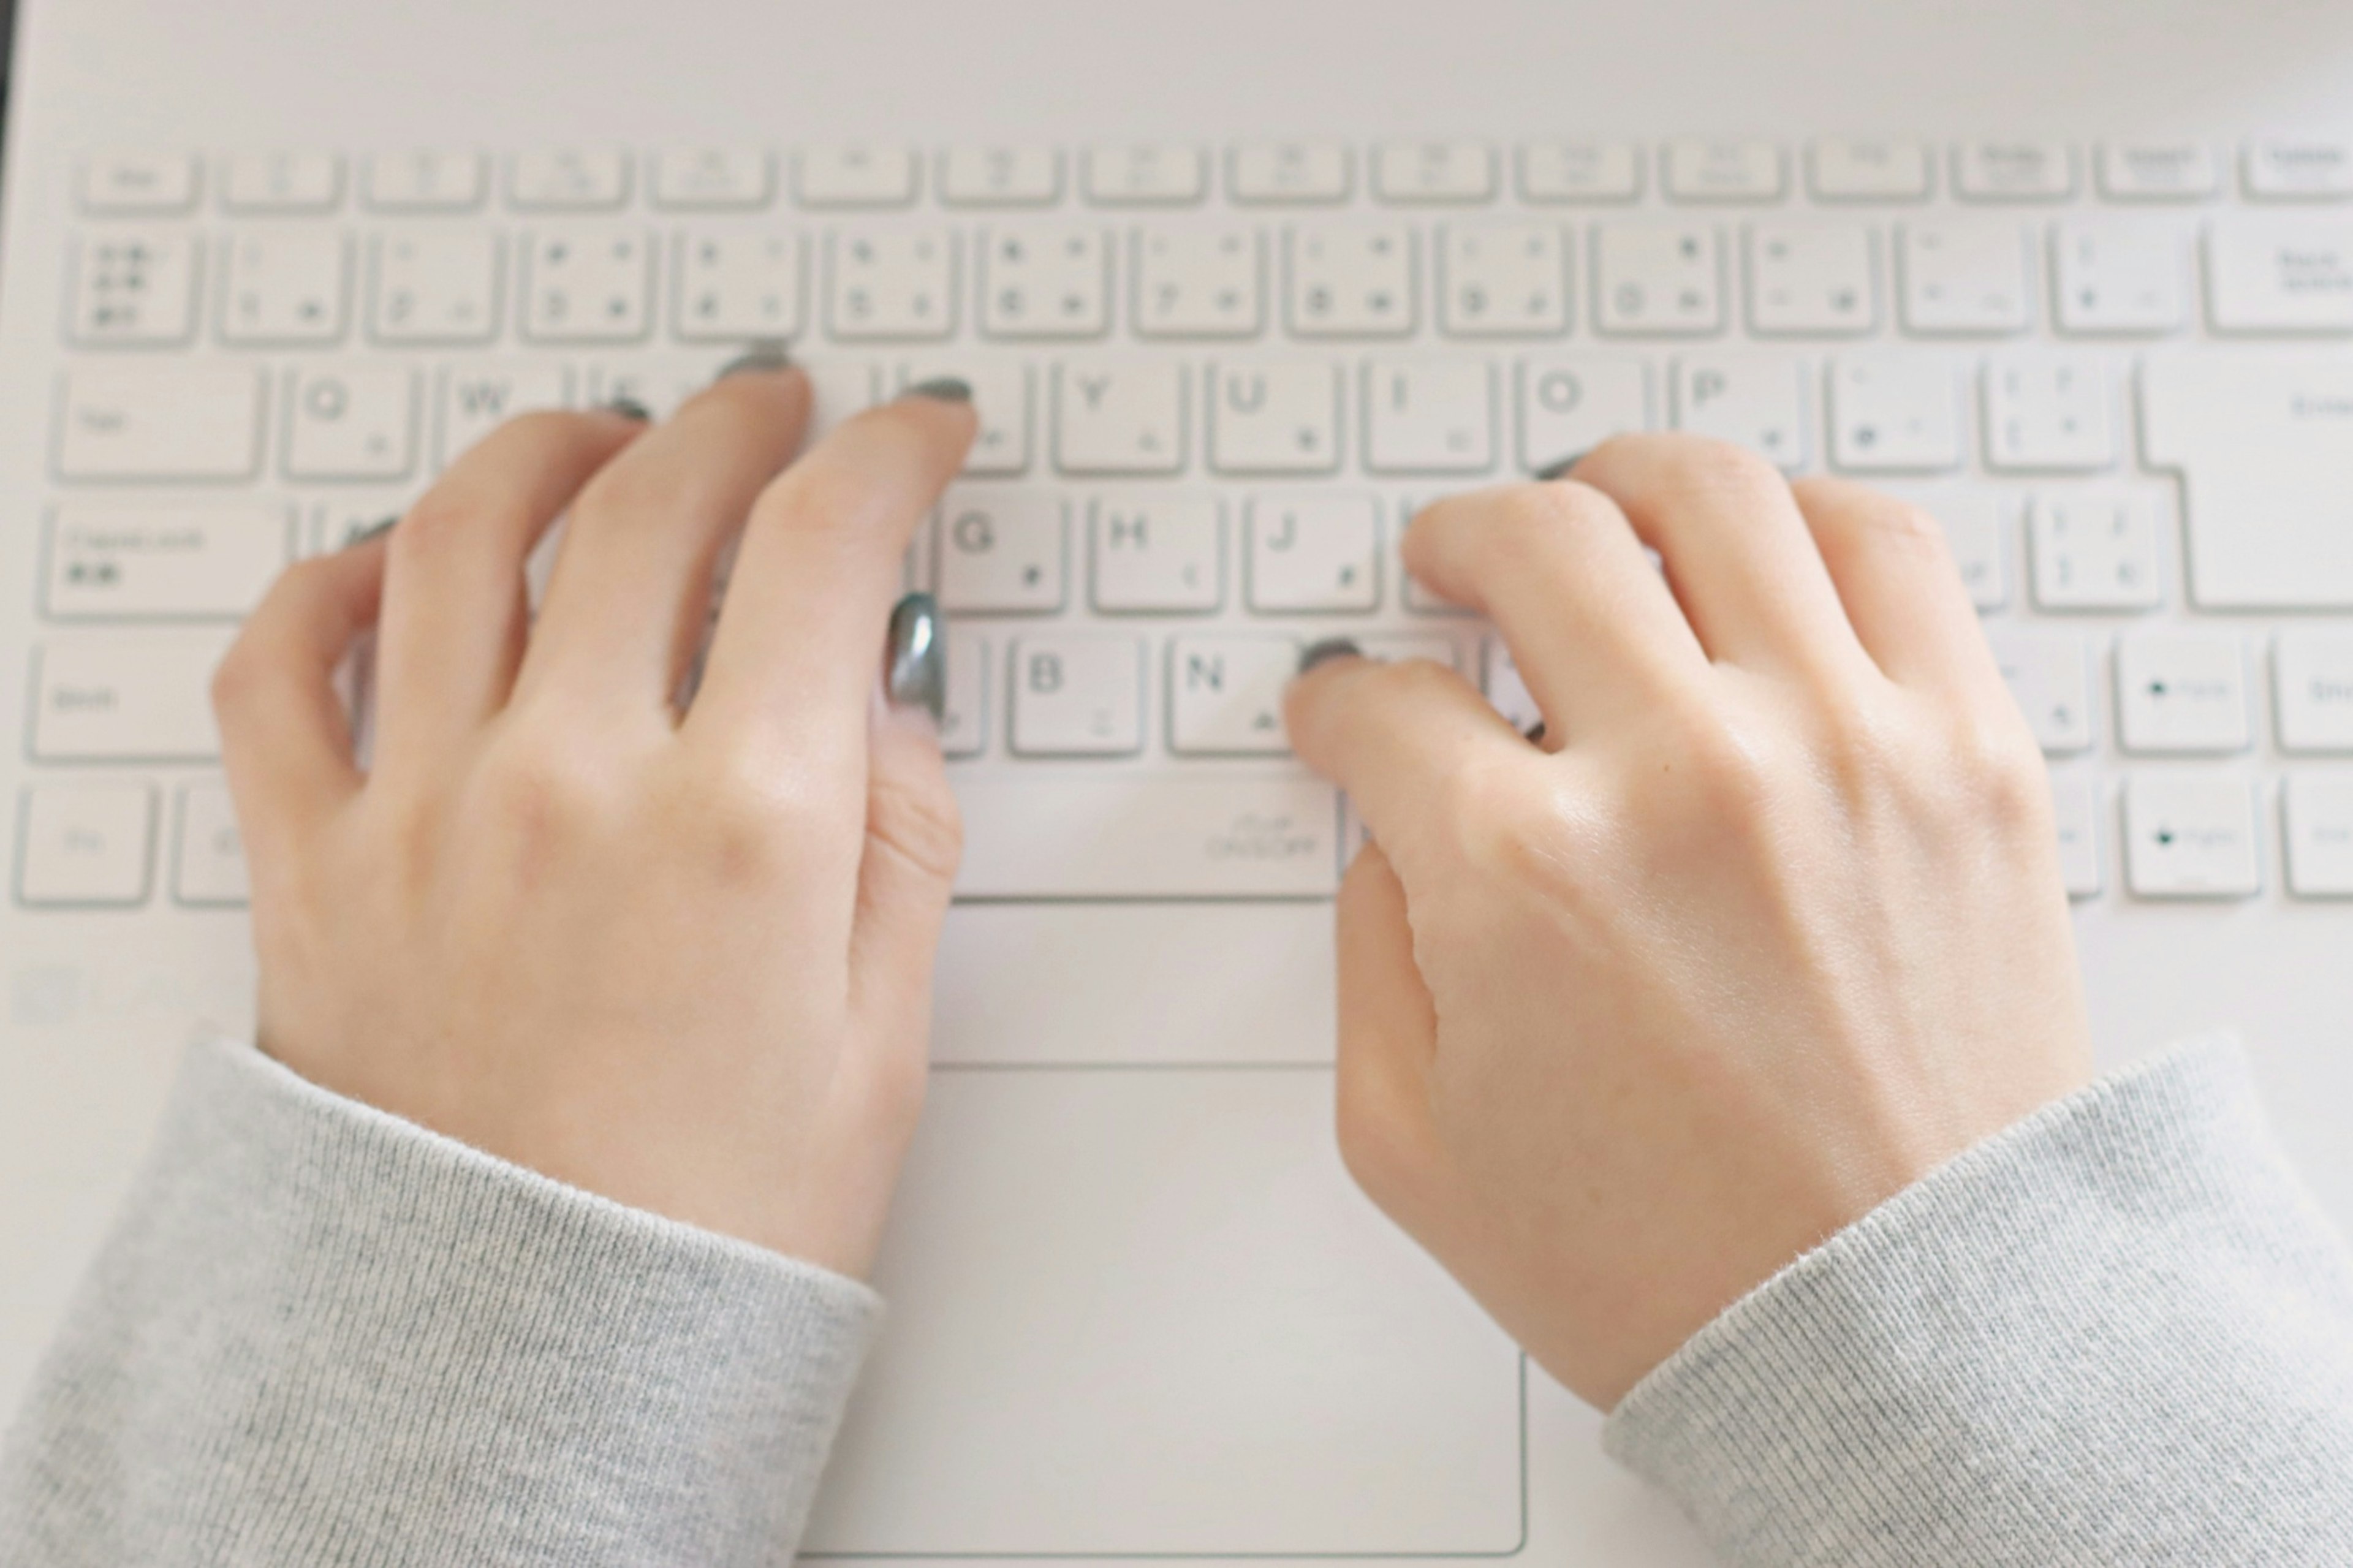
x: 801, y: 632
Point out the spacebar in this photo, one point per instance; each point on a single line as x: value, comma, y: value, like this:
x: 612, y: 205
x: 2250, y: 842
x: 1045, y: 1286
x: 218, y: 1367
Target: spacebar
x: 1049, y: 832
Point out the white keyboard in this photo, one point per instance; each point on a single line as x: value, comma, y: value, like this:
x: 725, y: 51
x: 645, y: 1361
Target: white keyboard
x: 1212, y: 387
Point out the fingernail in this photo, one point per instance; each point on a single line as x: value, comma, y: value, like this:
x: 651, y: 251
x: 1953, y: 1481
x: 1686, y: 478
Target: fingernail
x: 916, y: 657
x: 1325, y: 651
x: 1559, y: 470
x: 1535, y: 732
x: 376, y: 529
x: 944, y: 388
x: 629, y: 408
x: 765, y: 357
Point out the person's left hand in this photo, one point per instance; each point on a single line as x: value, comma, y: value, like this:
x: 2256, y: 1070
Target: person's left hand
x: 679, y: 959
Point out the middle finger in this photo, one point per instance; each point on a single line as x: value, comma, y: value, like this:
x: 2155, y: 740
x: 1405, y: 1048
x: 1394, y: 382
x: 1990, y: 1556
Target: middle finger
x: 626, y: 606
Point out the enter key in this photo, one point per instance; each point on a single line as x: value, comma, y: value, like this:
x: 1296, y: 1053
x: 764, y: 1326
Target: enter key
x: 2264, y: 445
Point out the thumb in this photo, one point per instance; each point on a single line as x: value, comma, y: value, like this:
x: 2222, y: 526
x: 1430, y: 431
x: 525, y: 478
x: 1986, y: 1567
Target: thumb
x: 1389, y: 1037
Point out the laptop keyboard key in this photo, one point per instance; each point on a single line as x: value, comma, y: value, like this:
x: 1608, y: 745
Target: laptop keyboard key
x: 2182, y: 692
x: 892, y: 284
x: 1812, y: 281
x: 1965, y: 279
x: 1145, y: 175
x: 1316, y: 555
x: 446, y: 180
x: 161, y: 561
x: 713, y: 179
x: 159, y: 422
x: 730, y: 286
x: 1694, y: 170
x: 435, y: 288
x: 1754, y: 400
x: 1507, y: 280
x: 1045, y: 282
x: 85, y: 845
x: 2264, y: 443
x: 1225, y: 695
x: 2048, y: 414
x: 2013, y: 172
x: 1893, y: 413
x: 209, y: 868
x: 1571, y: 404
x: 135, y: 289
x: 1198, y: 283
x: 118, y: 182
x: 2313, y: 686
x: 1002, y: 552
x: 2117, y: 275
x: 588, y: 286
x: 1657, y: 280
x: 1000, y: 177
x: 1276, y: 418
x: 855, y: 176
x: 1425, y: 172
x: 2280, y: 276
x: 1429, y: 416
x: 1157, y: 555
x: 1078, y: 695
x: 2300, y: 171
x: 2095, y: 552
x: 571, y: 179
x: 1353, y: 281
x: 2316, y: 814
x: 1289, y: 172
x: 285, y: 286
x: 2049, y: 676
x: 2190, y: 834
x: 351, y: 422
x: 144, y: 700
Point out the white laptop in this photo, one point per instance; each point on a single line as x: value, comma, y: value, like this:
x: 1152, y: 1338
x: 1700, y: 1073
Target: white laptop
x: 1239, y: 285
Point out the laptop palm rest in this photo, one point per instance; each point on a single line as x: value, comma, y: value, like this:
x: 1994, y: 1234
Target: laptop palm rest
x: 1145, y: 1311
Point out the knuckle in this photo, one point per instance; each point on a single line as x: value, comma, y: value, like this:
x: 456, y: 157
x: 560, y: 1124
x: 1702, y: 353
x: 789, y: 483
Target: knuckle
x: 2001, y: 776
x: 441, y: 517
x: 546, y: 790
x: 1715, y: 469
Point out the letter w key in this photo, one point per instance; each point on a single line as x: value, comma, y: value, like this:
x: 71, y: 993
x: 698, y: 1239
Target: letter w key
x: 480, y: 395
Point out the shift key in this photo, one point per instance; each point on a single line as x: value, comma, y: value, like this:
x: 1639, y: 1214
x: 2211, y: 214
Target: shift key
x: 151, y: 422
x: 144, y: 699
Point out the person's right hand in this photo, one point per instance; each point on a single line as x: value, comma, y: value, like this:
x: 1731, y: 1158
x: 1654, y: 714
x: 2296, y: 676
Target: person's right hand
x: 1767, y: 927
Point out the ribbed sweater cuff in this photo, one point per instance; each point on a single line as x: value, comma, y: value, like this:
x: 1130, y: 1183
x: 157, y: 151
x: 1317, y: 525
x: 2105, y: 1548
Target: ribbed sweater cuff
x: 320, y: 1332
x: 2118, y: 1332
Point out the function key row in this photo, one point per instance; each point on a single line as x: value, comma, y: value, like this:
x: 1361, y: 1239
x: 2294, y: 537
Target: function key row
x: 1947, y: 277
x: 1406, y: 173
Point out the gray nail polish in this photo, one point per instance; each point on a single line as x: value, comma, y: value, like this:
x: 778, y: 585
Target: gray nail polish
x: 916, y: 657
x: 942, y: 388
x: 1328, y: 650
x: 375, y: 530
x: 1559, y: 470
x: 629, y: 408
x: 767, y: 356
x: 1535, y: 733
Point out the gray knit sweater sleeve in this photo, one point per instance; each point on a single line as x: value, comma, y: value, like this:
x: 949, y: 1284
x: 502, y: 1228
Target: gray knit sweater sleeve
x: 320, y: 1334
x: 2118, y: 1332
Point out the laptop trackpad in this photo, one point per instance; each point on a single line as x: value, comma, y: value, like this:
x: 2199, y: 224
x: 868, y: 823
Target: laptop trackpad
x: 1143, y: 1311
